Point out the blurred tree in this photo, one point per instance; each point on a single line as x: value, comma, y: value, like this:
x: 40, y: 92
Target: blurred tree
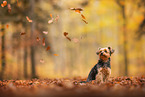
x: 32, y: 52
x: 3, y: 60
x: 121, y: 3
x: 141, y: 29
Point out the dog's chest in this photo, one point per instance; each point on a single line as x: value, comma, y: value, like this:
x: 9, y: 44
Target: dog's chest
x: 103, y: 74
x: 104, y: 71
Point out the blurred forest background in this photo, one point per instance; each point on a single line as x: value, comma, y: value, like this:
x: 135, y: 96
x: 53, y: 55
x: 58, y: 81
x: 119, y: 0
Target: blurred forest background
x: 33, y: 45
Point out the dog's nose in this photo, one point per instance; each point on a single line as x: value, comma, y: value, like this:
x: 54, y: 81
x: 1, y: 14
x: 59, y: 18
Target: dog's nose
x: 101, y: 53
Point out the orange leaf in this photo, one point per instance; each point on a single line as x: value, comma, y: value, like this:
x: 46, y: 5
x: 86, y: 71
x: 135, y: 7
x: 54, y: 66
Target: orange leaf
x: 7, y: 26
x: 47, y: 48
x: 51, y: 15
x: 85, y: 21
x: 56, y: 55
x: 122, y: 3
x: 29, y: 20
x: 77, y: 11
x: 4, y: 3
x: 83, y: 16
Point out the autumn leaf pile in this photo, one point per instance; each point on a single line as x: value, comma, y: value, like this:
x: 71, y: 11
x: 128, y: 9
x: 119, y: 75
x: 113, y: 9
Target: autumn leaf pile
x: 115, y: 87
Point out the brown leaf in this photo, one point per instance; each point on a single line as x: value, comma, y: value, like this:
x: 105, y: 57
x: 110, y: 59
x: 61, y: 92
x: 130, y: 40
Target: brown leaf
x: 47, y: 48
x: 85, y: 21
x: 37, y: 39
x: 80, y: 9
x: 9, y: 8
x: 83, y: 16
x: 22, y: 33
x: 43, y: 42
x: 65, y: 33
x: 68, y: 38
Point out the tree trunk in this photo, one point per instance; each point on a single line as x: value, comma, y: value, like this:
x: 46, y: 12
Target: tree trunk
x: 125, y: 41
x: 122, y: 6
x: 32, y: 50
x: 25, y: 62
x: 3, y: 60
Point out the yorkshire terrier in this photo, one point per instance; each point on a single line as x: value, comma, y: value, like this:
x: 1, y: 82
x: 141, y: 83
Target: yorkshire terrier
x: 102, y: 70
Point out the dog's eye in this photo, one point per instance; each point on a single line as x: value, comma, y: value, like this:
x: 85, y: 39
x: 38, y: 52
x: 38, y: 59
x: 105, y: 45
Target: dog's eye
x: 105, y: 51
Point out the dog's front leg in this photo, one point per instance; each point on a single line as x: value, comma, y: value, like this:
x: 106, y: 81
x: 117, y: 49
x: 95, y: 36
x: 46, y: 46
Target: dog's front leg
x: 108, y: 74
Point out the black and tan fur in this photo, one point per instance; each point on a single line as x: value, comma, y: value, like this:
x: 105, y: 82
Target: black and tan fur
x: 102, y: 70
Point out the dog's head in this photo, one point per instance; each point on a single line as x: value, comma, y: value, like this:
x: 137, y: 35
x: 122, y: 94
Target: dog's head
x: 105, y: 53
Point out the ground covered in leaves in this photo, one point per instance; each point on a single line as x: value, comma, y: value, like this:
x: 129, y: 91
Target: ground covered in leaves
x: 115, y: 87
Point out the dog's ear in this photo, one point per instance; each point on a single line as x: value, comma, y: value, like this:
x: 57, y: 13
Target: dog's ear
x: 111, y: 50
x: 98, y: 51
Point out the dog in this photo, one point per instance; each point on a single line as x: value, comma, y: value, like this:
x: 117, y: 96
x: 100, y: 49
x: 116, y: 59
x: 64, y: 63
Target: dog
x: 102, y: 70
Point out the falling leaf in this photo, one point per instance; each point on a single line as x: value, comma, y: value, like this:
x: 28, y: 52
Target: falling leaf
x: 2, y: 5
x: 7, y: 26
x: 85, y: 21
x: 29, y: 20
x: 50, y: 21
x: 56, y: 55
x: 83, y: 16
x: 57, y: 17
x: 41, y: 61
x: 22, y: 33
x: 75, y: 40
x: 51, y: 15
x: 9, y: 8
x: 5, y: 3
x: 122, y: 2
x: 37, y: 39
x: 65, y: 33
x: 47, y: 48
x: 80, y: 9
x: 43, y: 42
x: 68, y: 38
x: 45, y: 32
